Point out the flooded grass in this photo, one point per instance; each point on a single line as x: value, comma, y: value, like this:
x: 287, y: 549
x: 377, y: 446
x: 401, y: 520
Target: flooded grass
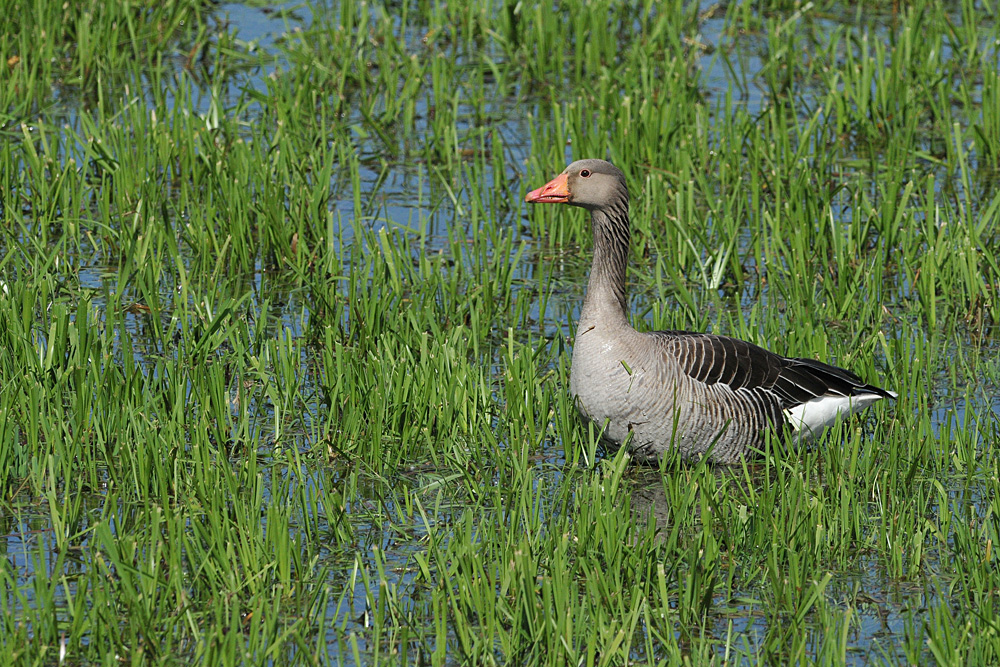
x: 285, y: 358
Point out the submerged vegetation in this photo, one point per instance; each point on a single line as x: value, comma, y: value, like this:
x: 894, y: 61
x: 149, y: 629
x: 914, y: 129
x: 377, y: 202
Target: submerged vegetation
x: 284, y: 357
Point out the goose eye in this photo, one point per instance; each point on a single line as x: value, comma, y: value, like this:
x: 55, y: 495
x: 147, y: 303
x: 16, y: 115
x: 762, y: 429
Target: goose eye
x: 585, y: 173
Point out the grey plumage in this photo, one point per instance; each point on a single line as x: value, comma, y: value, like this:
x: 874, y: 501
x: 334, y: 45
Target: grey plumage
x: 675, y: 389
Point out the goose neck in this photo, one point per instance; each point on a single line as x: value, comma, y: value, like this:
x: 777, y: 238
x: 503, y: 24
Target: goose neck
x: 606, y: 301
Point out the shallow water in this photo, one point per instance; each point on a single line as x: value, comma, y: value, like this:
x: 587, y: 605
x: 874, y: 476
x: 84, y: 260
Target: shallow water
x: 405, y: 196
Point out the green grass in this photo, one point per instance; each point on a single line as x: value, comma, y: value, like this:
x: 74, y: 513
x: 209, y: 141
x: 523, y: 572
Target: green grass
x: 285, y: 358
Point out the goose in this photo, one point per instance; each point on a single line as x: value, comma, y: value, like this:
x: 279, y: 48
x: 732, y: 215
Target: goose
x: 695, y: 393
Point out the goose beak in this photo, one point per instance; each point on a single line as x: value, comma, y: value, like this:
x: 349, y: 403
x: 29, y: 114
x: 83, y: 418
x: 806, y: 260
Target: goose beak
x: 555, y: 191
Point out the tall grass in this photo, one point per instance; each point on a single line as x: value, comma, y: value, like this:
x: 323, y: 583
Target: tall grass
x: 285, y: 361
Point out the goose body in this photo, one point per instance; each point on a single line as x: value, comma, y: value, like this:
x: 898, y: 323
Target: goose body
x: 679, y: 390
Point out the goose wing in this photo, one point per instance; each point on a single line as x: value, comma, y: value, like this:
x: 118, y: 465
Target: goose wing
x: 741, y: 365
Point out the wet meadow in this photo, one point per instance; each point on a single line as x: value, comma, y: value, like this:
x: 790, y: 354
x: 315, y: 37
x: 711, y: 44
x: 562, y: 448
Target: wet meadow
x: 284, y: 355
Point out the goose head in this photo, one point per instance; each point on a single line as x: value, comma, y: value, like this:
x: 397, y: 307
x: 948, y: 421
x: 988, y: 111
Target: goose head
x: 589, y: 184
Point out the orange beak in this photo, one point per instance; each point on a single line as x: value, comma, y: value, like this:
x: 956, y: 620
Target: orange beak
x: 555, y: 191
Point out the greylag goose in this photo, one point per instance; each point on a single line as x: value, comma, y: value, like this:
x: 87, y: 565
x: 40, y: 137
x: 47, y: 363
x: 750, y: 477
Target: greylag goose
x: 678, y: 390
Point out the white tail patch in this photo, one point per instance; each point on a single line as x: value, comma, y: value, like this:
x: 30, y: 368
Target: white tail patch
x: 813, y: 417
